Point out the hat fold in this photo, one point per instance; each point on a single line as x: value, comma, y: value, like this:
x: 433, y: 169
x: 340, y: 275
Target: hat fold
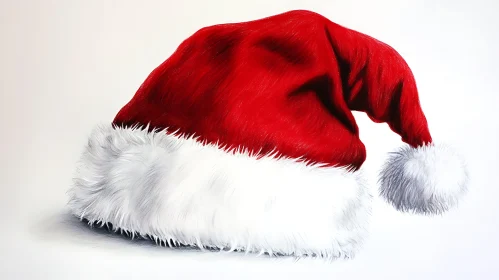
x: 177, y: 190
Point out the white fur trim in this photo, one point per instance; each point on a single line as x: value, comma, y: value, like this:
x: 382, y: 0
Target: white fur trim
x: 177, y: 189
x: 429, y: 179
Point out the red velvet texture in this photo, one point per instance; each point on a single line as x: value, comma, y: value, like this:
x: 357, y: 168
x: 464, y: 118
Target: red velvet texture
x: 287, y: 83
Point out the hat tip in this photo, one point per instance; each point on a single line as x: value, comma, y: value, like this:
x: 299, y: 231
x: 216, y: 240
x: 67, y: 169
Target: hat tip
x: 429, y: 180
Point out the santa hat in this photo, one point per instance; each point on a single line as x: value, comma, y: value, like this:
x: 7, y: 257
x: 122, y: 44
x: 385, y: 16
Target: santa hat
x: 244, y: 139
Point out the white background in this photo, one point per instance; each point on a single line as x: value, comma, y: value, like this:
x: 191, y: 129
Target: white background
x: 66, y: 66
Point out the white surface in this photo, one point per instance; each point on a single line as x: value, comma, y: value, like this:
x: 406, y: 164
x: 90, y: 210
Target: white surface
x: 67, y: 65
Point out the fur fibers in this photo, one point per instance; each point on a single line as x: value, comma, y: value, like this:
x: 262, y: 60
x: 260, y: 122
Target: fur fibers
x: 181, y: 191
x: 429, y: 179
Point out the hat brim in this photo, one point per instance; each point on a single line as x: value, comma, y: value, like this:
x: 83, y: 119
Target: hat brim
x: 178, y: 190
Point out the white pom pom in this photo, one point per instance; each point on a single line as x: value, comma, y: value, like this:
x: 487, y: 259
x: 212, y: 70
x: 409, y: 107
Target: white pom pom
x: 429, y: 179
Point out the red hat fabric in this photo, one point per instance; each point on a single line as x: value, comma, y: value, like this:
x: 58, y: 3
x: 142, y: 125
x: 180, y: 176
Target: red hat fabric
x: 244, y: 139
